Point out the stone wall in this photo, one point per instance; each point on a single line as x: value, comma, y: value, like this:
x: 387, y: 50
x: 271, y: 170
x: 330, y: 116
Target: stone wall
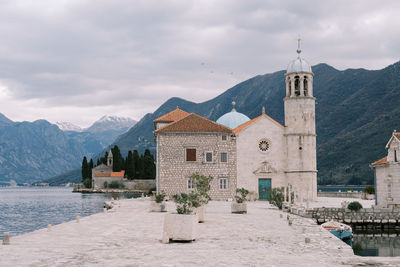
x: 388, y: 184
x: 98, y: 182
x: 173, y: 171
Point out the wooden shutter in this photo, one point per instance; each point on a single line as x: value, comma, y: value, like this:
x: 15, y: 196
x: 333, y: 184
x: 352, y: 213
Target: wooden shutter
x: 190, y: 154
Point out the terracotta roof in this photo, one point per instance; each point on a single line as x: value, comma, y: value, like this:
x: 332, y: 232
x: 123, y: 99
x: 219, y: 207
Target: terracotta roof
x: 194, y: 124
x: 118, y: 174
x: 379, y: 162
x: 172, y: 116
x: 244, y: 125
x: 102, y: 174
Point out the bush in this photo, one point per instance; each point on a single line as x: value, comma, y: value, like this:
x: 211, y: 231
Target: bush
x: 185, y: 203
x: 160, y: 197
x: 241, y: 194
x: 105, y: 185
x: 370, y: 190
x: 355, y: 206
x: 277, y: 197
x: 87, y: 183
x: 116, y: 185
x: 202, y: 187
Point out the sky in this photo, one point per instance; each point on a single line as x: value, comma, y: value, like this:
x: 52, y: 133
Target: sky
x: 77, y: 60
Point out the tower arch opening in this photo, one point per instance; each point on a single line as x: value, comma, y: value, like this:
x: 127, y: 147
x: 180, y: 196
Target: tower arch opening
x: 305, y: 86
x: 297, y: 85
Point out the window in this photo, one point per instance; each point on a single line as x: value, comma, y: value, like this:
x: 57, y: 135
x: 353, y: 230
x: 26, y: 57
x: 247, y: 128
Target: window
x: 264, y: 145
x: 395, y: 155
x: 224, y: 157
x: 190, y: 184
x: 223, y: 183
x: 224, y: 138
x: 389, y: 189
x: 190, y: 154
x: 297, y: 85
x: 208, y: 157
x: 305, y: 86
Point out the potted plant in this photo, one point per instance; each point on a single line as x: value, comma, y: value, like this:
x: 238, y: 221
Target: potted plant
x: 158, y: 205
x: 202, y: 188
x: 182, y: 226
x: 240, y: 205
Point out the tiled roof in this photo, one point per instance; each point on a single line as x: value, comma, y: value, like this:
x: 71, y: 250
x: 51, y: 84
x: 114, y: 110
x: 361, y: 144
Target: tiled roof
x: 102, y: 174
x: 118, y: 174
x: 194, y: 124
x: 244, y: 125
x: 172, y: 116
x: 379, y: 162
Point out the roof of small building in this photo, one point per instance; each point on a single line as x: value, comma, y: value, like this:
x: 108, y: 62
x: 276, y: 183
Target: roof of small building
x: 244, y: 125
x: 194, y: 123
x: 382, y: 161
x: 102, y: 174
x: 102, y: 166
x: 118, y: 174
x: 172, y: 116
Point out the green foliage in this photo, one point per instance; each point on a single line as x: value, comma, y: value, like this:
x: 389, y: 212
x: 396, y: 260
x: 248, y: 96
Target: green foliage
x: 241, y: 194
x: 84, y: 169
x: 130, y: 166
x: 186, y: 203
x: 148, y: 165
x: 105, y: 184
x: 355, y: 206
x: 277, y: 197
x: 202, y: 186
x: 118, y: 160
x: 87, y: 183
x: 160, y: 197
x: 135, y: 156
x: 116, y: 185
x: 370, y: 190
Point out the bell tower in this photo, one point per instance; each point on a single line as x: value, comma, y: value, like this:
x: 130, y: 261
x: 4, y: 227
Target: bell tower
x: 301, y: 170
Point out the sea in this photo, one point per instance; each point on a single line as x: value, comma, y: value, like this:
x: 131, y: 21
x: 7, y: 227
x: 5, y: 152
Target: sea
x: 26, y: 209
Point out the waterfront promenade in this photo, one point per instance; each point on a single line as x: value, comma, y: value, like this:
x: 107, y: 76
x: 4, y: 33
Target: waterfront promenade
x: 129, y: 235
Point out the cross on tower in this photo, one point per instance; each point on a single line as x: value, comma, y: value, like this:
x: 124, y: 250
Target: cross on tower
x: 298, y: 45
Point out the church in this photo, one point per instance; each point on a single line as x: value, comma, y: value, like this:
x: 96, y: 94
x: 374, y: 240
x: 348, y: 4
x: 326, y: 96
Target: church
x: 257, y: 154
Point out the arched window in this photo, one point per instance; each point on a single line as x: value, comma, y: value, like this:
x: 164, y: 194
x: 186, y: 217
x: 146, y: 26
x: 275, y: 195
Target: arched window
x: 305, y: 86
x: 297, y: 85
x: 290, y: 87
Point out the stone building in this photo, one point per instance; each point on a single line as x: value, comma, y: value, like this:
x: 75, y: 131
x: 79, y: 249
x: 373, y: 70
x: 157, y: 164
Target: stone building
x: 387, y: 174
x: 103, y: 174
x: 257, y: 154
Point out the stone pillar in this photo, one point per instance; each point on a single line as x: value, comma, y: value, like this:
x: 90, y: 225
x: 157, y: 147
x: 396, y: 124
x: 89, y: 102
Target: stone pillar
x: 310, y: 86
x: 301, y: 86
x: 290, y: 194
x: 6, y: 238
x: 293, y: 89
x: 284, y: 194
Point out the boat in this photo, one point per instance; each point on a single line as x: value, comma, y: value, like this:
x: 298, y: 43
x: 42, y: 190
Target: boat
x: 340, y: 230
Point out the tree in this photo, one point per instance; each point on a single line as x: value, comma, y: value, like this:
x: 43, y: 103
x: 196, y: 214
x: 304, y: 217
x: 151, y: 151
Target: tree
x: 130, y: 166
x: 140, y: 171
x: 148, y: 165
x: 118, y: 160
x: 84, y: 169
x: 135, y: 156
x: 90, y: 169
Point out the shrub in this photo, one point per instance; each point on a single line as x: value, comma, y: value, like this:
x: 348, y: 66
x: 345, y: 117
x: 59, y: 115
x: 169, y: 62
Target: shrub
x: 87, y: 183
x: 355, y: 206
x: 116, y: 185
x: 185, y: 203
x: 202, y: 187
x: 241, y: 194
x: 370, y: 190
x: 277, y: 197
x: 105, y: 185
x: 160, y: 197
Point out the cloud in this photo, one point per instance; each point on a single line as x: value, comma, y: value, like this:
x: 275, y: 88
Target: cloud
x: 77, y: 60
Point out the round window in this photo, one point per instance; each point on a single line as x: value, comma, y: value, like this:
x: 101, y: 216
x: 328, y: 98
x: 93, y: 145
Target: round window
x: 264, y: 145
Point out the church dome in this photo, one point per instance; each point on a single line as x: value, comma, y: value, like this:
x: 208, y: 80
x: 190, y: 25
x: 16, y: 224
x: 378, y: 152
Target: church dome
x: 233, y: 119
x: 298, y: 65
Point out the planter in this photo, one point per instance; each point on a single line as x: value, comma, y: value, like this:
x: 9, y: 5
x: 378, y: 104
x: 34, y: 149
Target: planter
x: 158, y: 207
x: 180, y: 227
x: 200, y: 211
x: 239, y: 207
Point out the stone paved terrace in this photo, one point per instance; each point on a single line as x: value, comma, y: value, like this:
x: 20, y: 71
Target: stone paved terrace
x: 129, y: 235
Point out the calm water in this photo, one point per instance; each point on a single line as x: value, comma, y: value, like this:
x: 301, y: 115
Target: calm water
x: 25, y: 209
x: 381, y: 245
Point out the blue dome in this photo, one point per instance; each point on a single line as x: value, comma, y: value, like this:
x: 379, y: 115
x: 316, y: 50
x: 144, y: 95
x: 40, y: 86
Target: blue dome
x: 298, y: 65
x: 233, y: 119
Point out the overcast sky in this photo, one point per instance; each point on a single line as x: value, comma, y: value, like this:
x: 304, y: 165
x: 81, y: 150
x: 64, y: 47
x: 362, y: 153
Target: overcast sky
x: 76, y: 60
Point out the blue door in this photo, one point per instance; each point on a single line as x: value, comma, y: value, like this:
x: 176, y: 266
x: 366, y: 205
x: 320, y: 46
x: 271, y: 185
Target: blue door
x: 264, y: 189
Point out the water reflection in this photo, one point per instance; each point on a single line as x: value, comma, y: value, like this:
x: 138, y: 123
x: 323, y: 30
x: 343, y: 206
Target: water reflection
x: 382, y: 244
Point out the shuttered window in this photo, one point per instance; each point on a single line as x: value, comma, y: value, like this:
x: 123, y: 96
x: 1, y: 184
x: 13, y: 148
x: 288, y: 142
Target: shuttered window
x: 224, y: 157
x: 208, y: 157
x: 190, y: 154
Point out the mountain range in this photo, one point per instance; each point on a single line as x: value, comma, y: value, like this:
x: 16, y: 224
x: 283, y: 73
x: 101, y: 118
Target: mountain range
x: 356, y: 112
x: 31, y: 151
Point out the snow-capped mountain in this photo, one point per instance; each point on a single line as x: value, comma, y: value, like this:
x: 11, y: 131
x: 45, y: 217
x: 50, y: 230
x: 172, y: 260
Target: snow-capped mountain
x: 68, y: 126
x: 107, y: 123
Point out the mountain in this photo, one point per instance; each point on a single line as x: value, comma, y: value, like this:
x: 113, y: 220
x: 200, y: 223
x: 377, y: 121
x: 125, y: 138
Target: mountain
x: 356, y: 112
x: 68, y: 126
x: 4, y: 120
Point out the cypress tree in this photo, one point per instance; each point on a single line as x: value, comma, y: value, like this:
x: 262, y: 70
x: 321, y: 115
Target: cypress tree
x: 104, y: 160
x: 148, y: 165
x: 140, y: 167
x: 84, y: 169
x: 118, y: 160
x: 130, y: 166
x: 135, y: 156
x: 90, y: 169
